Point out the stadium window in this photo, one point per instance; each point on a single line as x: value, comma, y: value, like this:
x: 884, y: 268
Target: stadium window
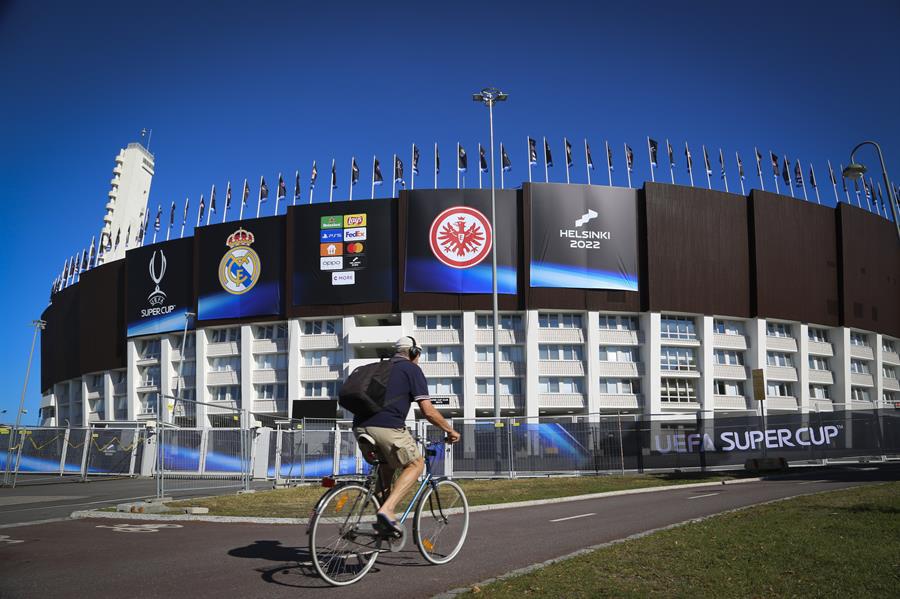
x: 859, y: 367
x: 677, y: 327
x: 859, y: 394
x: 858, y: 339
x: 508, y: 386
x: 778, y: 329
x: 559, y: 321
x: 816, y: 363
x: 778, y: 389
x: 321, y: 327
x: 818, y: 392
x: 888, y: 346
x: 732, y: 388
x: 677, y: 391
x: 818, y: 335
x: 888, y: 372
x: 727, y: 327
x: 729, y: 357
x: 231, y: 334
x: 774, y: 358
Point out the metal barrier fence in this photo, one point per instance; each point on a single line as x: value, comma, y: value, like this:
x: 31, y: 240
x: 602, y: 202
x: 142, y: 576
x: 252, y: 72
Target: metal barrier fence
x: 97, y: 450
x: 241, y: 446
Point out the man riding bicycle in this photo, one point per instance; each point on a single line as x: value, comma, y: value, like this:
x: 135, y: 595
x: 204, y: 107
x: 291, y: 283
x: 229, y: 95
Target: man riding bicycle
x: 395, y: 444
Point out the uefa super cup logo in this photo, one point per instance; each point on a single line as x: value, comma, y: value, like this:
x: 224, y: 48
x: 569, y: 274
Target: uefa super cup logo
x: 460, y: 237
x: 240, y: 267
x: 157, y: 296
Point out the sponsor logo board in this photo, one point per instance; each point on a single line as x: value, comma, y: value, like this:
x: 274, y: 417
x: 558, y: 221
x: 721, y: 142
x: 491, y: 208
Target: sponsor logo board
x: 331, y: 263
x: 329, y: 235
x: 355, y: 234
x: 343, y: 277
x: 331, y: 249
x: 460, y: 237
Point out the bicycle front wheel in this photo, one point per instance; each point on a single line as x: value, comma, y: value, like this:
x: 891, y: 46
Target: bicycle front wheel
x: 342, y: 542
x: 441, y: 522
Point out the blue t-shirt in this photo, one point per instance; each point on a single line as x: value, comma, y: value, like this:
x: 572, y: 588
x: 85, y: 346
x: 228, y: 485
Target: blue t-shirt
x: 405, y: 385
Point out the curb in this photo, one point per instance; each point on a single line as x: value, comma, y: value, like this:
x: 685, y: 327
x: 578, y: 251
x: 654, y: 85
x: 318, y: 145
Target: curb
x: 85, y: 514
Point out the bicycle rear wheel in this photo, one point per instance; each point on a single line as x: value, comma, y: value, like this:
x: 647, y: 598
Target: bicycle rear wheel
x: 342, y: 542
x: 441, y: 522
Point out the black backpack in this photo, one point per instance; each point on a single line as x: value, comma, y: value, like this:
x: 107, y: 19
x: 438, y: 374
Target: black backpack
x: 363, y: 393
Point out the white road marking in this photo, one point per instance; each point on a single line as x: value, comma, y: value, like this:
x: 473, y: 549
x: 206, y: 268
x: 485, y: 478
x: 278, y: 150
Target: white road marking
x: 701, y: 496
x: 810, y: 482
x: 5, y: 540
x: 139, y: 527
x: 574, y: 517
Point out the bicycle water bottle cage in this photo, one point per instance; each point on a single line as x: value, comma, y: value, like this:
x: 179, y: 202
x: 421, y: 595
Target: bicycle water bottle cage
x: 368, y: 449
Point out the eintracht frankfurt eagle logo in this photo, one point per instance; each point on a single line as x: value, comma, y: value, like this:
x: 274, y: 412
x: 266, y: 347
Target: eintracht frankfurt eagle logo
x: 240, y: 268
x: 460, y: 237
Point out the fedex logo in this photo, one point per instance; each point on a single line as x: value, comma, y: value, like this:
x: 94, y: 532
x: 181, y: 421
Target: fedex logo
x: 355, y: 234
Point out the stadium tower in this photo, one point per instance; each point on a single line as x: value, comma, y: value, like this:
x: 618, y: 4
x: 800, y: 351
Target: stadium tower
x: 128, y: 194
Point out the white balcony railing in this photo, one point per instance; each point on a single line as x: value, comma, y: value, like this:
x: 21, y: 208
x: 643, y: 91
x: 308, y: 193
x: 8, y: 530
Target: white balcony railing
x: 731, y: 372
x: 561, y: 368
x: 736, y: 342
x: 862, y: 380
x: 437, y: 336
x: 440, y: 368
x: 730, y: 402
x: 624, y: 401
x: 560, y: 336
x: 506, y: 368
x: 616, y: 337
x: 862, y: 352
x: 821, y: 348
x: 821, y: 377
x: 269, y: 346
x: 504, y: 336
x: 326, y: 341
x: 781, y: 373
x: 321, y: 373
x: 561, y: 400
x: 890, y: 357
x: 781, y: 403
x: 225, y: 348
x: 787, y: 344
x: 620, y: 369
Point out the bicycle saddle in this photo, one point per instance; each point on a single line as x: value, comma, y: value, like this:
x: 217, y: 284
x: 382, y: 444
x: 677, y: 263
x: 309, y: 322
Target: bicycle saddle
x: 368, y: 449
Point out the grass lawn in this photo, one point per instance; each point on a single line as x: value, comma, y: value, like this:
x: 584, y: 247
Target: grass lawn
x: 840, y: 544
x: 297, y: 502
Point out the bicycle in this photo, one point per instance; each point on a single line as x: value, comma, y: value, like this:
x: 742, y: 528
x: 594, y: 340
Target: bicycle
x: 344, y: 544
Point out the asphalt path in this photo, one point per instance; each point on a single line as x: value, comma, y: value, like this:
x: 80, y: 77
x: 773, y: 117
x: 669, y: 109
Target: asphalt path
x: 105, y: 558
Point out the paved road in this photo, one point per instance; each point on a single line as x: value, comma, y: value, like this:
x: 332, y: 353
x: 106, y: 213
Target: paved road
x: 89, y: 558
x: 42, y: 497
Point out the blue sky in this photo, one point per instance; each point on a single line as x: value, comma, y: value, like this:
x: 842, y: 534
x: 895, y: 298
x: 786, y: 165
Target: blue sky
x: 234, y: 90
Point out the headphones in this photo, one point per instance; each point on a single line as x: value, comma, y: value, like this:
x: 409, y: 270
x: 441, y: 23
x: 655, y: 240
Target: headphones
x: 415, y: 351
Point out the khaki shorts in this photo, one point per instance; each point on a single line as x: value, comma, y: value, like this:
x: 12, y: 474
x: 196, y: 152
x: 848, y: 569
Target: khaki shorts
x: 396, y: 445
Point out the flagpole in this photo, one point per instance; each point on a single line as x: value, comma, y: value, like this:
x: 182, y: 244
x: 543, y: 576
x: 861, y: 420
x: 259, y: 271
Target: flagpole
x: 881, y: 197
x: 528, y: 146
x: 724, y: 174
x: 802, y: 181
x: 566, y: 156
x: 872, y: 194
x: 608, y: 162
x: 546, y: 166
x: 627, y: 166
x: 587, y: 162
x: 690, y: 167
x: 775, y: 172
x: 435, y: 164
x: 352, y: 160
x: 502, y: 170
x: 457, y: 165
x: 394, y: 176
x: 277, y: 193
x: 199, y: 214
x: 837, y: 199
x: 259, y: 197
x: 758, y: 168
x: 296, y: 191
x: 790, y: 175
x: 816, y: 186
x: 479, y: 166
x: 331, y: 182
x: 212, y: 194
x: 650, y: 156
x: 413, y: 166
x: 740, y: 168
x: 706, y: 167
x: 373, y: 177
x: 844, y: 183
x: 671, y: 163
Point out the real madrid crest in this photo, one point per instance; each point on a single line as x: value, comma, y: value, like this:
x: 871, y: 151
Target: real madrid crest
x: 240, y: 268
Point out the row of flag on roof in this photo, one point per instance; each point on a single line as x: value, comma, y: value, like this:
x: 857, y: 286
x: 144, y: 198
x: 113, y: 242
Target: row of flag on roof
x: 791, y: 172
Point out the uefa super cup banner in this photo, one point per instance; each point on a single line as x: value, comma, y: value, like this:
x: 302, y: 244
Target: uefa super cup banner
x: 160, y: 287
x: 240, y: 268
x: 344, y: 252
x: 449, y: 240
x: 584, y: 236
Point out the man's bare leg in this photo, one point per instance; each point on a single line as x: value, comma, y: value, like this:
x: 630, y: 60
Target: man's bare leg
x: 402, y: 486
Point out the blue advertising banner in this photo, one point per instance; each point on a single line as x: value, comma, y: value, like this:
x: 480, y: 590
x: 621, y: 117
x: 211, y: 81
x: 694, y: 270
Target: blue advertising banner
x: 160, y: 287
x: 449, y: 240
x: 583, y: 237
x: 240, y: 269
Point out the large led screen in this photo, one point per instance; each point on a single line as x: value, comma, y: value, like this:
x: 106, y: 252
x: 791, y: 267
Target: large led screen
x: 583, y: 236
x: 344, y: 252
x: 240, y: 268
x: 449, y: 240
x: 160, y: 287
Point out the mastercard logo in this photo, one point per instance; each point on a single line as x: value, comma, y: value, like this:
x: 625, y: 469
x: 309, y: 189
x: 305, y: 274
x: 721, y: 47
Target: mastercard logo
x: 355, y: 248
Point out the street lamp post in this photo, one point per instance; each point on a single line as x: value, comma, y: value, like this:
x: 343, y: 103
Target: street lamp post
x: 855, y: 170
x: 38, y: 325
x: 488, y: 96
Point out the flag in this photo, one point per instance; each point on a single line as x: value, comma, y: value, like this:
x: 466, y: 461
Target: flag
x: 866, y: 188
x: 282, y: 190
x: 812, y: 177
x: 378, y: 179
x: 629, y: 157
x: 689, y: 160
x: 313, y: 175
x: 246, y: 193
x: 568, y: 154
x: 296, y: 184
x: 548, y: 157
x: 758, y: 162
x: 228, y: 197
x: 437, y: 159
x: 84, y: 260
x: 171, y: 216
x: 740, y: 167
x: 654, y: 149
x: 156, y: 223
x: 609, y: 162
x: 721, y: 163
x: 844, y: 181
x: 798, y: 174
x: 774, y: 159
x: 415, y: 164
x: 398, y: 170
x: 187, y: 201
x: 118, y: 236
x: 671, y: 154
x: 212, y: 200
x: 263, y: 190
x: 786, y: 172
x: 462, y: 161
x: 482, y: 159
x: 505, y: 164
x: 354, y: 172
x: 587, y: 152
x: 333, y: 176
x: 706, y: 161
x: 831, y: 175
x: 532, y: 152
x: 202, y: 210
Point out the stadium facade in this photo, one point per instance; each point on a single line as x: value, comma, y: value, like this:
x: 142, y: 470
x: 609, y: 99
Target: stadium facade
x: 656, y: 301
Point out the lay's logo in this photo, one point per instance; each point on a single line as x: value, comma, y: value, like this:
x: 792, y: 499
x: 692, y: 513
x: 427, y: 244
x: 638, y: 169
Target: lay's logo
x: 354, y: 220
